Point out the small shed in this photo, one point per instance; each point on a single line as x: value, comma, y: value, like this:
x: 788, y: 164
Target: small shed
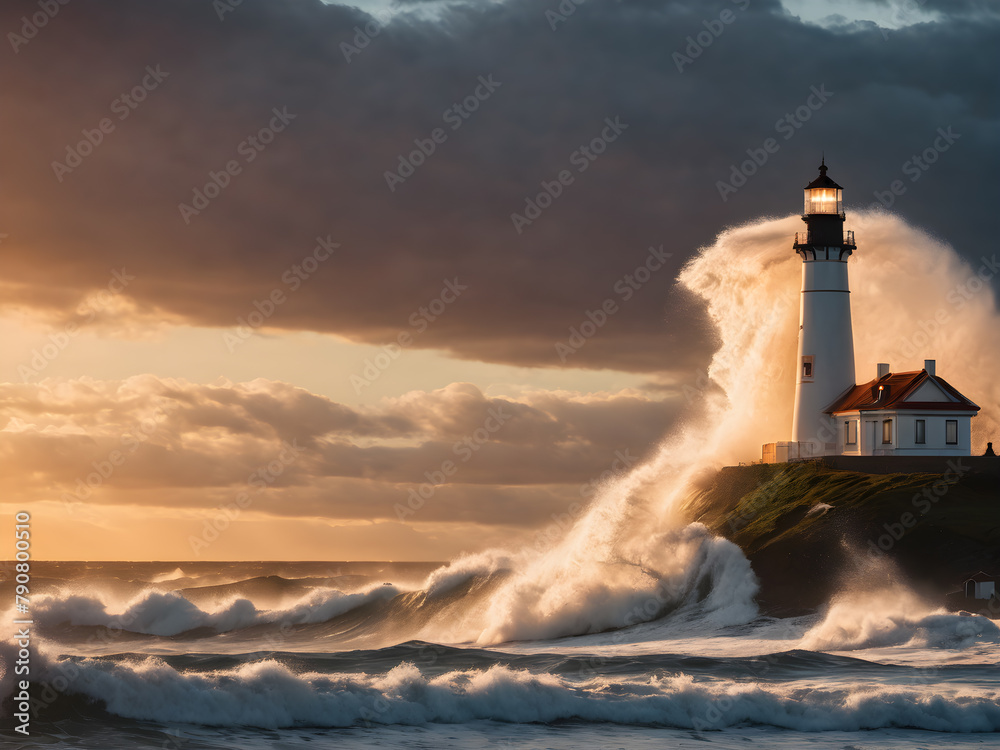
x: 980, y: 586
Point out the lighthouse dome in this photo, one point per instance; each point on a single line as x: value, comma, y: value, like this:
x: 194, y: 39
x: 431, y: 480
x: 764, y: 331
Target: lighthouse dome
x: 823, y: 195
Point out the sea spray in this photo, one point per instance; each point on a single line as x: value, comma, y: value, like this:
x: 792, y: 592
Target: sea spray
x: 895, y: 617
x: 912, y: 301
x: 876, y: 608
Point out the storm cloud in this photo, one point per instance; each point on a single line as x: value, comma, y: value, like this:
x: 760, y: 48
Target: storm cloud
x: 479, y: 112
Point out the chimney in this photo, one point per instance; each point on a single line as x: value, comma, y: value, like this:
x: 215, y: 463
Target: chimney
x: 883, y: 369
x: 929, y: 366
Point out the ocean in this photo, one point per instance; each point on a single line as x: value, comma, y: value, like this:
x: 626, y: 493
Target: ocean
x: 338, y: 654
x: 627, y: 628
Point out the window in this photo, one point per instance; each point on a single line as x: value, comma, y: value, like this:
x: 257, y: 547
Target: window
x: 886, y: 432
x: 920, y: 436
x: 851, y: 432
x: 807, y: 367
x: 951, y: 432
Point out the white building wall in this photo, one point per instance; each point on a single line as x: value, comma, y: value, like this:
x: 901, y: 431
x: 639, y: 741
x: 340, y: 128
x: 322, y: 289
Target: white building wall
x: 907, y: 440
x: 928, y: 391
x: 904, y: 434
x: 825, y: 335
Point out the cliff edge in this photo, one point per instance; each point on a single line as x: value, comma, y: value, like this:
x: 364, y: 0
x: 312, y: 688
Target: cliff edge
x: 809, y: 527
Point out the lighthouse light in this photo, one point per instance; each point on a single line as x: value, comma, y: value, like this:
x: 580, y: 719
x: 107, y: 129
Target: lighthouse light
x: 823, y: 201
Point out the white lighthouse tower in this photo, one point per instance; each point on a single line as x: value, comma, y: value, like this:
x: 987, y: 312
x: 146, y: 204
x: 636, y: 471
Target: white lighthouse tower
x: 826, y: 339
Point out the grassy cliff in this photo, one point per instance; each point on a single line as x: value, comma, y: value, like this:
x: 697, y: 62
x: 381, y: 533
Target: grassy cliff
x: 808, y: 528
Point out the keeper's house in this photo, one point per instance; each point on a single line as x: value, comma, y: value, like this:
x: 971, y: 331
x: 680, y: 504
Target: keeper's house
x: 904, y: 414
x: 980, y: 586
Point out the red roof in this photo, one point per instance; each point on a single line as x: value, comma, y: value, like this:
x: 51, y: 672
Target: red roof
x: 892, y: 390
x: 980, y: 577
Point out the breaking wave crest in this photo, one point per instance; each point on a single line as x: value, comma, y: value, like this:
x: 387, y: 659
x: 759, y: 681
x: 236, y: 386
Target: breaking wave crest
x: 895, y: 618
x: 169, y: 614
x: 268, y: 694
x: 684, y: 569
x: 488, y: 597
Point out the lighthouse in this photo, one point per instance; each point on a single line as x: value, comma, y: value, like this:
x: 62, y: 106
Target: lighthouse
x: 910, y: 413
x: 826, y: 340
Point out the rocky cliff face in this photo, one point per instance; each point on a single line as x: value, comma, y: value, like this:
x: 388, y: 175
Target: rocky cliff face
x: 810, y: 529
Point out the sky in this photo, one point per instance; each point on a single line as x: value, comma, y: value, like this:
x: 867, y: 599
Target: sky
x: 271, y: 269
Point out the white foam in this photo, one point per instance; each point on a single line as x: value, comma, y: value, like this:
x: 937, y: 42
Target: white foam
x: 896, y: 617
x: 465, y: 568
x: 169, y: 614
x: 267, y: 694
x: 175, y: 574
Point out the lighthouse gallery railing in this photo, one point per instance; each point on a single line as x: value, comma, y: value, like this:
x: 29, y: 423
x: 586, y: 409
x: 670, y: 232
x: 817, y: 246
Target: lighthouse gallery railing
x: 805, y: 238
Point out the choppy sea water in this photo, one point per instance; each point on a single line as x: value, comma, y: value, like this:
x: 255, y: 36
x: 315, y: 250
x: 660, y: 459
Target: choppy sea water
x: 282, y: 655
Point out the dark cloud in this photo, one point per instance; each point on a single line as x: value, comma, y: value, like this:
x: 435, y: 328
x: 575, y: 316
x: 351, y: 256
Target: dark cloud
x: 985, y: 9
x: 324, y: 174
